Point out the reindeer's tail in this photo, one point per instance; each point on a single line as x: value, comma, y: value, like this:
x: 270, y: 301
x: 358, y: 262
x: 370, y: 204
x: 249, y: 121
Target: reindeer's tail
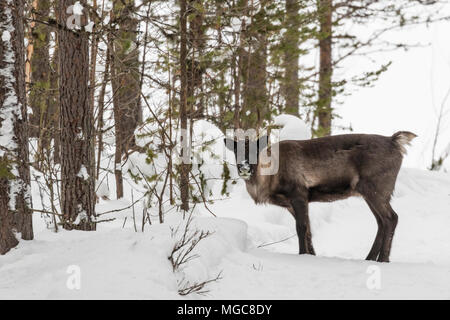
x: 402, y: 139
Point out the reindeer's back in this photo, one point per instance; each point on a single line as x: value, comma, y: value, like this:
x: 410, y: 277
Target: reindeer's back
x: 340, y: 160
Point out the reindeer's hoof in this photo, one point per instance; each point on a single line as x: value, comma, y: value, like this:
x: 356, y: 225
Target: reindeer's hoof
x: 312, y: 254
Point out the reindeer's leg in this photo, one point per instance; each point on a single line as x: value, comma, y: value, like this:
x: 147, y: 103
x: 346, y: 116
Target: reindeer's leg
x: 388, y: 220
x: 300, y: 206
x: 309, y: 240
x: 308, y: 233
x: 378, y: 242
x: 391, y: 219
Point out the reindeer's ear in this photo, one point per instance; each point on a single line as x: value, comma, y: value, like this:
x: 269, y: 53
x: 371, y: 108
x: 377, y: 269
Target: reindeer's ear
x: 230, y: 144
x: 263, y: 142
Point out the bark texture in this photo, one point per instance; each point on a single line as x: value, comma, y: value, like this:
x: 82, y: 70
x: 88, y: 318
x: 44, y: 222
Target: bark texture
x: 15, y: 199
x: 77, y: 180
x: 195, y: 67
x: 325, y: 111
x: 23, y: 200
x: 291, y: 57
x: 43, y: 92
x: 126, y: 85
x: 184, y: 175
x: 255, y: 108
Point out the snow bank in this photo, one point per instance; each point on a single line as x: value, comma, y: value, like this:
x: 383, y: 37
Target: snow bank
x: 343, y: 233
x: 207, y: 157
x: 117, y: 262
x: 293, y: 128
x: 114, y: 263
x: 228, y: 236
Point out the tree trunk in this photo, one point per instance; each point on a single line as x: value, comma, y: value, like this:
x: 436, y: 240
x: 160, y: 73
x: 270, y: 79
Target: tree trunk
x: 236, y: 92
x: 126, y: 85
x: 77, y: 186
x: 54, y: 103
x: 325, y: 9
x: 40, y: 70
x: 15, y: 198
x: 44, y: 119
x: 101, y: 110
x: 7, y: 90
x: 184, y: 176
x: 255, y: 108
x: 291, y: 56
x: 195, y: 68
x: 7, y: 238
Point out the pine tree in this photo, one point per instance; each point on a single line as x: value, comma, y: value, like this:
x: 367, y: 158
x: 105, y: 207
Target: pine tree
x: 254, y: 71
x: 325, y: 11
x: 77, y: 182
x: 44, y: 118
x: 15, y: 197
x: 126, y: 84
x: 184, y: 174
x: 291, y: 44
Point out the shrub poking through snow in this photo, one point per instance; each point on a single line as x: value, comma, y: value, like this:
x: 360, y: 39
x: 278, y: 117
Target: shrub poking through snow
x: 183, y: 252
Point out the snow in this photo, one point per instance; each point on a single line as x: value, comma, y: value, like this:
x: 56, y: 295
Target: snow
x: 6, y: 36
x: 117, y: 262
x: 77, y: 9
x: 89, y: 27
x: 236, y: 24
x: 83, y: 174
x: 102, y: 189
x: 207, y: 154
x: 293, y: 128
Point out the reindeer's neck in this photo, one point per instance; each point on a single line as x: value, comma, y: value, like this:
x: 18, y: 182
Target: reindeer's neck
x: 258, y: 189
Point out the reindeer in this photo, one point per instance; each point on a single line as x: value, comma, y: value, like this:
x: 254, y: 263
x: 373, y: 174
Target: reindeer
x: 324, y: 170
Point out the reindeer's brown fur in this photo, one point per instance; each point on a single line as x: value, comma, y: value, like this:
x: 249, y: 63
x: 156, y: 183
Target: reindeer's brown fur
x: 332, y: 168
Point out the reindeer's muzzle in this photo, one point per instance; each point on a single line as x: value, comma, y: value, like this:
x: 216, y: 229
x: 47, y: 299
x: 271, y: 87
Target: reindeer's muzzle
x: 244, y: 170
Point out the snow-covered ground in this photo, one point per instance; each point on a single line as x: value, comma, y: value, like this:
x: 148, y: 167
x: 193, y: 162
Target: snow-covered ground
x: 117, y: 262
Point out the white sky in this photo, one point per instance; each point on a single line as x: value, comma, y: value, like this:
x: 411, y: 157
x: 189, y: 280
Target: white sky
x: 408, y: 96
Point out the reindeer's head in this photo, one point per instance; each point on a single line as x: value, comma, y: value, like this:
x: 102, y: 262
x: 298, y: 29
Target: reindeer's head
x: 247, y: 154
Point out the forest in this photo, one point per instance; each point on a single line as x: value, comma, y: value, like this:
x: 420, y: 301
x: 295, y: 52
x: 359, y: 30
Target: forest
x: 112, y: 120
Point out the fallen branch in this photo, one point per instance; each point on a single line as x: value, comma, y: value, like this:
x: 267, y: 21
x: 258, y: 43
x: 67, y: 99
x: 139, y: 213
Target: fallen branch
x: 118, y: 210
x: 271, y: 243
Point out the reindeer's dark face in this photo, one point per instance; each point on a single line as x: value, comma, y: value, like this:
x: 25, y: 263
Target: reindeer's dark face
x: 246, y: 153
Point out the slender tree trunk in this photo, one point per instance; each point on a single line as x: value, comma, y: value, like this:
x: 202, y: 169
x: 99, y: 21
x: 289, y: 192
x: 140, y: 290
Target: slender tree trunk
x: 77, y: 185
x: 7, y: 110
x: 7, y: 238
x: 238, y: 70
x: 101, y: 109
x: 126, y: 85
x: 44, y: 119
x: 40, y: 72
x: 325, y: 9
x: 236, y: 92
x: 54, y: 104
x: 196, y: 43
x: 184, y: 176
x: 15, y: 197
x: 255, y: 107
x: 24, y: 222
x: 291, y: 57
